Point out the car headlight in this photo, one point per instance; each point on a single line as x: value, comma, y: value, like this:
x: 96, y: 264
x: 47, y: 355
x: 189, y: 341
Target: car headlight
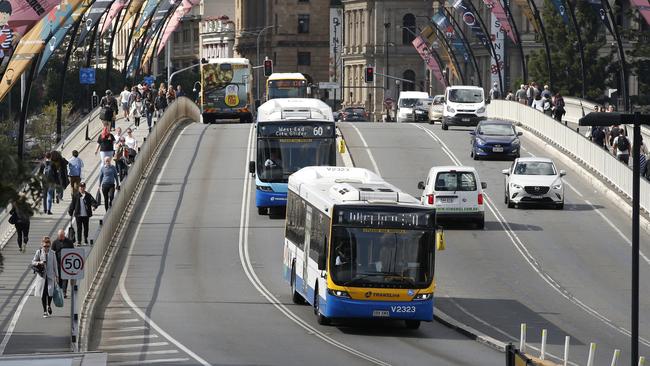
x: 516, y: 142
x: 557, y: 186
x: 480, y: 141
x: 421, y: 297
x: 338, y: 293
x: 481, y: 110
x: 450, y: 109
x: 515, y: 186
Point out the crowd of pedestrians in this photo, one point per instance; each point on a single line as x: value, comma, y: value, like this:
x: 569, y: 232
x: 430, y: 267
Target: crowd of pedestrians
x: 540, y: 98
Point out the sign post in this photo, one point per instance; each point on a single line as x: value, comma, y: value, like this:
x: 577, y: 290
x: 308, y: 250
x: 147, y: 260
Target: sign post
x: 72, y: 268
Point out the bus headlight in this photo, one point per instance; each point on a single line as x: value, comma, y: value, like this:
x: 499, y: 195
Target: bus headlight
x: 264, y: 188
x: 338, y: 293
x: 421, y: 297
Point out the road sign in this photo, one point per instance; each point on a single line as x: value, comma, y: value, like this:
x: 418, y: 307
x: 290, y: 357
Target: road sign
x: 389, y: 101
x: 72, y: 263
x: 328, y: 85
x: 87, y: 75
x: 149, y: 80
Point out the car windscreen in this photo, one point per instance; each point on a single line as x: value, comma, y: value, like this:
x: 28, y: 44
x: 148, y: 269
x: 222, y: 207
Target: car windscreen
x: 455, y: 181
x: 355, y: 110
x: 408, y: 102
x: 534, y: 168
x: 496, y: 130
x: 466, y: 95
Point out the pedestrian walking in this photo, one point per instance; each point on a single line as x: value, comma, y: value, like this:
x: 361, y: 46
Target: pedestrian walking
x: 109, y: 109
x: 61, y: 242
x: 108, y: 180
x: 117, y: 134
x: 520, y: 95
x: 614, y: 131
x: 610, y: 108
x: 19, y: 217
x: 547, y: 106
x: 171, y: 96
x: 495, y: 93
x: 75, y: 168
x: 598, y: 136
x: 510, y: 96
x: 621, y: 147
x: 538, y: 103
x: 136, y: 110
x: 643, y: 157
x: 546, y: 93
x: 530, y: 93
x: 121, y: 159
x: 105, y: 144
x: 125, y: 96
x: 161, y: 102
x: 130, y: 140
x: 558, y: 107
x: 179, y: 91
x: 50, y: 179
x: 44, y: 264
x: 149, y: 100
x: 61, y: 165
x: 81, y: 208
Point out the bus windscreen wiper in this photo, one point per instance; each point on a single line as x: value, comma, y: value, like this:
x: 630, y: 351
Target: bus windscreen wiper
x: 363, y: 276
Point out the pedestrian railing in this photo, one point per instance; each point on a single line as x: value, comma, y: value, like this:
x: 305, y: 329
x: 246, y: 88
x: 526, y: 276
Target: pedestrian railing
x: 577, y: 146
x: 101, y: 258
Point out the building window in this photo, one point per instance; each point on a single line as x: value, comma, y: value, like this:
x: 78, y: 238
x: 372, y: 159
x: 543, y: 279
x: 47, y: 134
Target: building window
x: 408, y: 28
x: 304, y: 58
x: 186, y: 35
x: 177, y: 37
x: 303, y: 23
x: 408, y: 75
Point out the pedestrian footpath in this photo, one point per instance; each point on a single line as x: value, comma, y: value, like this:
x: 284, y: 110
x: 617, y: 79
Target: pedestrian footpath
x: 22, y: 328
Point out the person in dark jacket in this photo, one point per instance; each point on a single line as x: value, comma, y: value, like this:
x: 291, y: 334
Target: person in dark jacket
x: 20, y: 218
x: 81, y: 207
x: 62, y: 169
x: 109, y: 101
x: 61, y: 242
x: 108, y: 180
x: 50, y: 177
x: 161, y: 102
x: 149, y: 101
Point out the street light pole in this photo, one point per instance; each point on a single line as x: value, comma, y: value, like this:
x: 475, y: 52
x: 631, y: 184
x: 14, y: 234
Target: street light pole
x: 257, y: 79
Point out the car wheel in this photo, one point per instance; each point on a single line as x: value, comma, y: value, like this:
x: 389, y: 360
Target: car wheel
x: 508, y: 201
x: 320, y: 318
x: 412, y: 324
x: 432, y: 122
x: 480, y: 224
x: 560, y: 206
x: 444, y: 126
x: 475, y: 156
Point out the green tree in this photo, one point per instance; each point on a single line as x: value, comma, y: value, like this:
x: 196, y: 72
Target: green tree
x: 638, y: 58
x: 17, y: 182
x: 565, y: 55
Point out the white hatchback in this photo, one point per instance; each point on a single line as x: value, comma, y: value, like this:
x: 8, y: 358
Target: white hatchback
x: 456, y: 193
x: 534, y: 180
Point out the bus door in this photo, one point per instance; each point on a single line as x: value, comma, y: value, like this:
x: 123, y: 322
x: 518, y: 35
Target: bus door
x: 305, y: 261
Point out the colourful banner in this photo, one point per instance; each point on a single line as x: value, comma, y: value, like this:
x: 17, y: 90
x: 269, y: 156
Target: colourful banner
x: 597, y: 5
x: 472, y: 21
x: 175, y: 21
x: 93, y: 15
x: 561, y: 8
x: 113, y: 12
x: 504, y: 22
x: 56, y: 40
x: 147, y: 11
x: 33, y: 42
x: 132, y: 10
x: 430, y: 60
x: 643, y: 6
x: 432, y: 37
x: 160, y: 17
x: 23, y: 15
x: 528, y: 12
x: 446, y: 28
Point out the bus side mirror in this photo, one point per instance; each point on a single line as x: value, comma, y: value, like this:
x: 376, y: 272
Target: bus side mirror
x: 440, y: 239
x: 251, y: 167
x: 421, y: 185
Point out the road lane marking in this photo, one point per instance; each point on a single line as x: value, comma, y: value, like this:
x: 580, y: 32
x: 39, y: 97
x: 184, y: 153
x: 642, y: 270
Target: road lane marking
x: 120, y: 321
x: 127, y: 354
x: 249, y: 270
x: 127, y: 329
x: 126, y: 338
x: 528, y: 257
x: 123, y: 275
x: 131, y: 345
x: 365, y: 145
x: 148, y: 362
x: 14, y: 319
x: 121, y: 312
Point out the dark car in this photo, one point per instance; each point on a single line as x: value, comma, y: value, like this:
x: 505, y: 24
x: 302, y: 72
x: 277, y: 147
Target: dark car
x: 493, y: 138
x: 354, y: 114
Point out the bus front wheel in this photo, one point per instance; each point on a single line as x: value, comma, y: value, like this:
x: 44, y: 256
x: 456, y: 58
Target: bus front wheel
x: 262, y: 210
x: 320, y: 318
x: 412, y: 324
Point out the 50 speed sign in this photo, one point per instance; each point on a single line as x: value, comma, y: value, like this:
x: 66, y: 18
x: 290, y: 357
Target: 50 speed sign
x: 72, y: 263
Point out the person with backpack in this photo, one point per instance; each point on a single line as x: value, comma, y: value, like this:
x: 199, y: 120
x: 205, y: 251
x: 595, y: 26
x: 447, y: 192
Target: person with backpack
x: 44, y: 264
x: 161, y: 102
x: 109, y: 109
x: 149, y: 105
x: 622, y: 147
x: 547, y: 106
x: 61, y: 165
x: 50, y: 179
x: 558, y: 107
x: 494, y: 92
x: 598, y: 136
x: 613, y: 134
x: 19, y: 217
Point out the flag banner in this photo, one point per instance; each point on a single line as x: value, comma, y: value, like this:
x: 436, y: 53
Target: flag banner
x: 135, y: 61
x: 472, y: 21
x: 503, y: 21
x: 643, y: 7
x: 597, y: 5
x: 132, y: 10
x: 498, y: 41
x: 162, y: 15
x: 17, y: 18
x: 528, y: 12
x: 113, y: 12
x: 561, y: 8
x: 431, y: 36
x: 430, y: 60
x: 175, y: 21
x: 447, y: 28
x: 33, y: 43
x: 93, y: 16
x: 56, y: 40
x: 147, y: 10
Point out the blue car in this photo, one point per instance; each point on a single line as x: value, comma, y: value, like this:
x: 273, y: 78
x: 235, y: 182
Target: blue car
x: 493, y: 138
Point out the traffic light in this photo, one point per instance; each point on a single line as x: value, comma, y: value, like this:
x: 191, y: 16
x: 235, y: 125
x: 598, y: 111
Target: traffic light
x: 370, y: 74
x: 268, y: 67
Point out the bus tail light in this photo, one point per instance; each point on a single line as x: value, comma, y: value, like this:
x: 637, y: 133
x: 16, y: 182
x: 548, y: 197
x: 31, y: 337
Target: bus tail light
x: 430, y: 199
x: 338, y: 293
x: 480, y: 198
x: 422, y: 297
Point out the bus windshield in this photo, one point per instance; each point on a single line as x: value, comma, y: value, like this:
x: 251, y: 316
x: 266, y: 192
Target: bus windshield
x: 386, y: 258
x: 287, y: 89
x: 278, y: 158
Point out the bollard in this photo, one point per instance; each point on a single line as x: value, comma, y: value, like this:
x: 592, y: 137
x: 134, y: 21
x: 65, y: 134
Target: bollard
x: 617, y: 354
x: 567, y: 340
x: 522, y: 338
x: 101, y: 222
x: 542, y: 352
x: 641, y: 361
x: 592, y: 354
x: 92, y: 242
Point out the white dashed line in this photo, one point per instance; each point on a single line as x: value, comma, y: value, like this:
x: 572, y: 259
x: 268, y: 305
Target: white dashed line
x: 149, y: 362
x: 139, y: 345
x: 127, y: 329
x: 126, y: 338
x: 127, y: 354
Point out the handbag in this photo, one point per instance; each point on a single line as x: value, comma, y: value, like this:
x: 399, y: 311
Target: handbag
x: 71, y: 232
x: 12, y: 219
x: 38, y: 269
x: 58, y: 296
x: 106, y: 113
x: 98, y: 197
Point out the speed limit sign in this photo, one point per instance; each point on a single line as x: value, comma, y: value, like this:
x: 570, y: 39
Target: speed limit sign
x: 72, y: 263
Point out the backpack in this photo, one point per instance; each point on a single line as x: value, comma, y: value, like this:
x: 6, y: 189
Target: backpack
x: 49, y: 172
x: 623, y: 144
x: 613, y: 134
x: 597, y: 134
x: 546, y: 105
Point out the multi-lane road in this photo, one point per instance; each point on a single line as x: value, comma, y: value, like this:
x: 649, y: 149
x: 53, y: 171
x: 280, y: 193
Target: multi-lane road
x: 200, y: 279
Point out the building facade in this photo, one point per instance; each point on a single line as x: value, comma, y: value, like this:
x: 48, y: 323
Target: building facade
x: 217, y: 38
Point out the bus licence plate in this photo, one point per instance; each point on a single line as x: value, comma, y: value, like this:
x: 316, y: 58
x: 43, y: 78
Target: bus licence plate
x: 497, y: 149
x: 380, y: 313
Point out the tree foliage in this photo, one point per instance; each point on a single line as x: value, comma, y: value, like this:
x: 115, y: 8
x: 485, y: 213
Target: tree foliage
x: 565, y: 54
x: 18, y: 183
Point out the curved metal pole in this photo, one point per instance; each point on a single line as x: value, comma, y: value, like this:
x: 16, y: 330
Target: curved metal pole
x: 440, y: 35
x: 549, y: 65
x: 494, y: 52
x: 576, y: 28
x: 127, y: 53
x: 621, y: 56
x: 524, y: 67
x: 92, y: 44
x: 109, y: 57
x: 158, y: 36
x: 59, y: 106
x: 459, y: 29
x: 25, y: 107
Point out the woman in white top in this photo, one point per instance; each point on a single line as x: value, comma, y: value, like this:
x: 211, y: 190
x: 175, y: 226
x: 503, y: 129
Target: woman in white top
x: 130, y: 141
x: 538, y: 103
x: 46, y: 259
x: 136, y: 110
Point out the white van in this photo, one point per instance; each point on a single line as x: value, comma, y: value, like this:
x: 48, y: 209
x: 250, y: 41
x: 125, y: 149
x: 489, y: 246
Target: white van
x: 456, y: 193
x: 464, y: 106
x: 407, y: 102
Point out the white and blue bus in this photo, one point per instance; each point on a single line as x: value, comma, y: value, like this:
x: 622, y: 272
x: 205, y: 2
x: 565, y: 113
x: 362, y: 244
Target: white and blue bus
x: 291, y: 134
x: 357, y: 247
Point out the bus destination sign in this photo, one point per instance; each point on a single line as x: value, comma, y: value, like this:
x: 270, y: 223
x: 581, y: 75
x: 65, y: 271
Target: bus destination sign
x: 380, y: 217
x: 296, y: 131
